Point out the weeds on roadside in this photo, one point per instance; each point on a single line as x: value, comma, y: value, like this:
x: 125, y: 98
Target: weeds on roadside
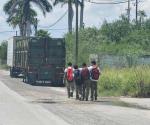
x: 133, y: 82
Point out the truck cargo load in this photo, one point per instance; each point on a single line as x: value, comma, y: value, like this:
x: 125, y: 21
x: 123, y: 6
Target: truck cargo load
x: 38, y: 59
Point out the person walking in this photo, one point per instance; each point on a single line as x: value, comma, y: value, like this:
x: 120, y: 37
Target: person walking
x: 94, y: 76
x: 69, y: 79
x: 78, y: 83
x: 85, y: 76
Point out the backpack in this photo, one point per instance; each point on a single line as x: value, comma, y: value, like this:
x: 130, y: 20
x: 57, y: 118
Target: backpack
x: 85, y: 74
x: 95, y: 73
x: 77, y: 76
x: 69, y: 74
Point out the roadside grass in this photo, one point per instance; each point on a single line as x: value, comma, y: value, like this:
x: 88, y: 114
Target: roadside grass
x: 133, y: 82
x: 4, y: 66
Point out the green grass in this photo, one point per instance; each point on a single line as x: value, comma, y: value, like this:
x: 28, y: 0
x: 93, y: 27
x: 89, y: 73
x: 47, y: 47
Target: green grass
x: 133, y: 81
x: 4, y: 66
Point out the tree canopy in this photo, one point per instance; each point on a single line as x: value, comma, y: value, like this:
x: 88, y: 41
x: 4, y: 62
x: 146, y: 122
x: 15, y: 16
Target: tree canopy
x: 20, y: 13
x: 43, y: 33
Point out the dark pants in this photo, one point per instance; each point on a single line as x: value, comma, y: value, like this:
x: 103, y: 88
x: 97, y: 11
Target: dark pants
x: 93, y: 90
x: 86, y: 89
x: 70, y: 88
x: 78, y: 91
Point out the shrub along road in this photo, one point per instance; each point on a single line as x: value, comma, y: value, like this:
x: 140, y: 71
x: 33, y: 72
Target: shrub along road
x: 53, y: 103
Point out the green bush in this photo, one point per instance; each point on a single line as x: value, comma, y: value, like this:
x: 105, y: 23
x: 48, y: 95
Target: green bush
x: 133, y: 81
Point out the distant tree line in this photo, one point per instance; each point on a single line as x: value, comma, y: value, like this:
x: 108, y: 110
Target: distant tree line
x: 3, y: 52
x: 120, y: 37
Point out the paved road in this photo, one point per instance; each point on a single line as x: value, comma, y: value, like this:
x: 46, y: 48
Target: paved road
x: 53, y: 101
x: 15, y: 110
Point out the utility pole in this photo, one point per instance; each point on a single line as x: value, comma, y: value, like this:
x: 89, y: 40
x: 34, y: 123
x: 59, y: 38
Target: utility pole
x: 136, y: 4
x: 35, y: 26
x: 77, y: 38
x: 70, y: 16
x: 129, y: 11
x: 81, y: 13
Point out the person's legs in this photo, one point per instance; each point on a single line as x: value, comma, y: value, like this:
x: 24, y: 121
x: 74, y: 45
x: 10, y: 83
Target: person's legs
x: 77, y: 91
x: 80, y: 91
x: 83, y: 86
x: 68, y: 88
x: 95, y: 90
x: 87, y: 89
x: 72, y: 88
x: 92, y: 90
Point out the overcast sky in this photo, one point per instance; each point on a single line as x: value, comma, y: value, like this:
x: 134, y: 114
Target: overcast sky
x: 94, y: 15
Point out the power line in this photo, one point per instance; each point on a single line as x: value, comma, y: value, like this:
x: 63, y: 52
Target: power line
x: 121, y: 2
x: 59, y: 19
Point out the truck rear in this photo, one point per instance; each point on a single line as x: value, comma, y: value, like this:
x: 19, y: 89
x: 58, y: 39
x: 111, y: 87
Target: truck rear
x: 39, y: 59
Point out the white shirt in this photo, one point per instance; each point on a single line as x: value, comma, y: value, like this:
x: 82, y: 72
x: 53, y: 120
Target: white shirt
x: 66, y: 69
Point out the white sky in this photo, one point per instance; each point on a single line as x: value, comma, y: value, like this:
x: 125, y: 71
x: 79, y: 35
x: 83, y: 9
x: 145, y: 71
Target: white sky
x: 94, y: 15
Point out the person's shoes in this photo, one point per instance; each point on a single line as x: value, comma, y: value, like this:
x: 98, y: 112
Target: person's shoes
x: 80, y: 99
x: 95, y: 98
x: 86, y: 99
x: 77, y: 97
x: 71, y: 94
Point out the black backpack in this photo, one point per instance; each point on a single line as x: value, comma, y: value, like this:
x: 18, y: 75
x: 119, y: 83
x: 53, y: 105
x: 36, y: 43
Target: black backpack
x: 77, y: 76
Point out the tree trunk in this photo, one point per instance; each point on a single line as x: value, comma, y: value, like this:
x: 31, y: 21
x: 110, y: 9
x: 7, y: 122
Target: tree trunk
x: 28, y: 29
x: 81, y: 14
x: 21, y: 29
x: 24, y: 28
x: 70, y: 16
x: 26, y: 17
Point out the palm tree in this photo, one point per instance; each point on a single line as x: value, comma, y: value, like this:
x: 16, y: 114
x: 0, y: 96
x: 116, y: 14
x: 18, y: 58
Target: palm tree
x: 16, y: 19
x: 81, y: 14
x: 22, y: 10
x: 71, y: 13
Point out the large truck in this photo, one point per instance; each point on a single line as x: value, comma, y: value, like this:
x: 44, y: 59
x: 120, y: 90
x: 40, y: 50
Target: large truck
x: 37, y: 59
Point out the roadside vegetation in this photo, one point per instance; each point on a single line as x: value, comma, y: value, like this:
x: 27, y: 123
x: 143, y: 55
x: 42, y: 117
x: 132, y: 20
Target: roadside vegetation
x: 117, y: 38
x: 133, y: 82
x: 3, y: 55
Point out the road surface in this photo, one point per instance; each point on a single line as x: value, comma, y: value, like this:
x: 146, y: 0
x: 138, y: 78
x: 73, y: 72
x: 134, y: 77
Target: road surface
x: 24, y: 104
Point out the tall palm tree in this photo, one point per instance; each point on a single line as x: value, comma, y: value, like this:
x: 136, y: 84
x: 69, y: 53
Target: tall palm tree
x: 23, y: 9
x: 81, y: 14
x: 71, y: 13
x: 16, y: 19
